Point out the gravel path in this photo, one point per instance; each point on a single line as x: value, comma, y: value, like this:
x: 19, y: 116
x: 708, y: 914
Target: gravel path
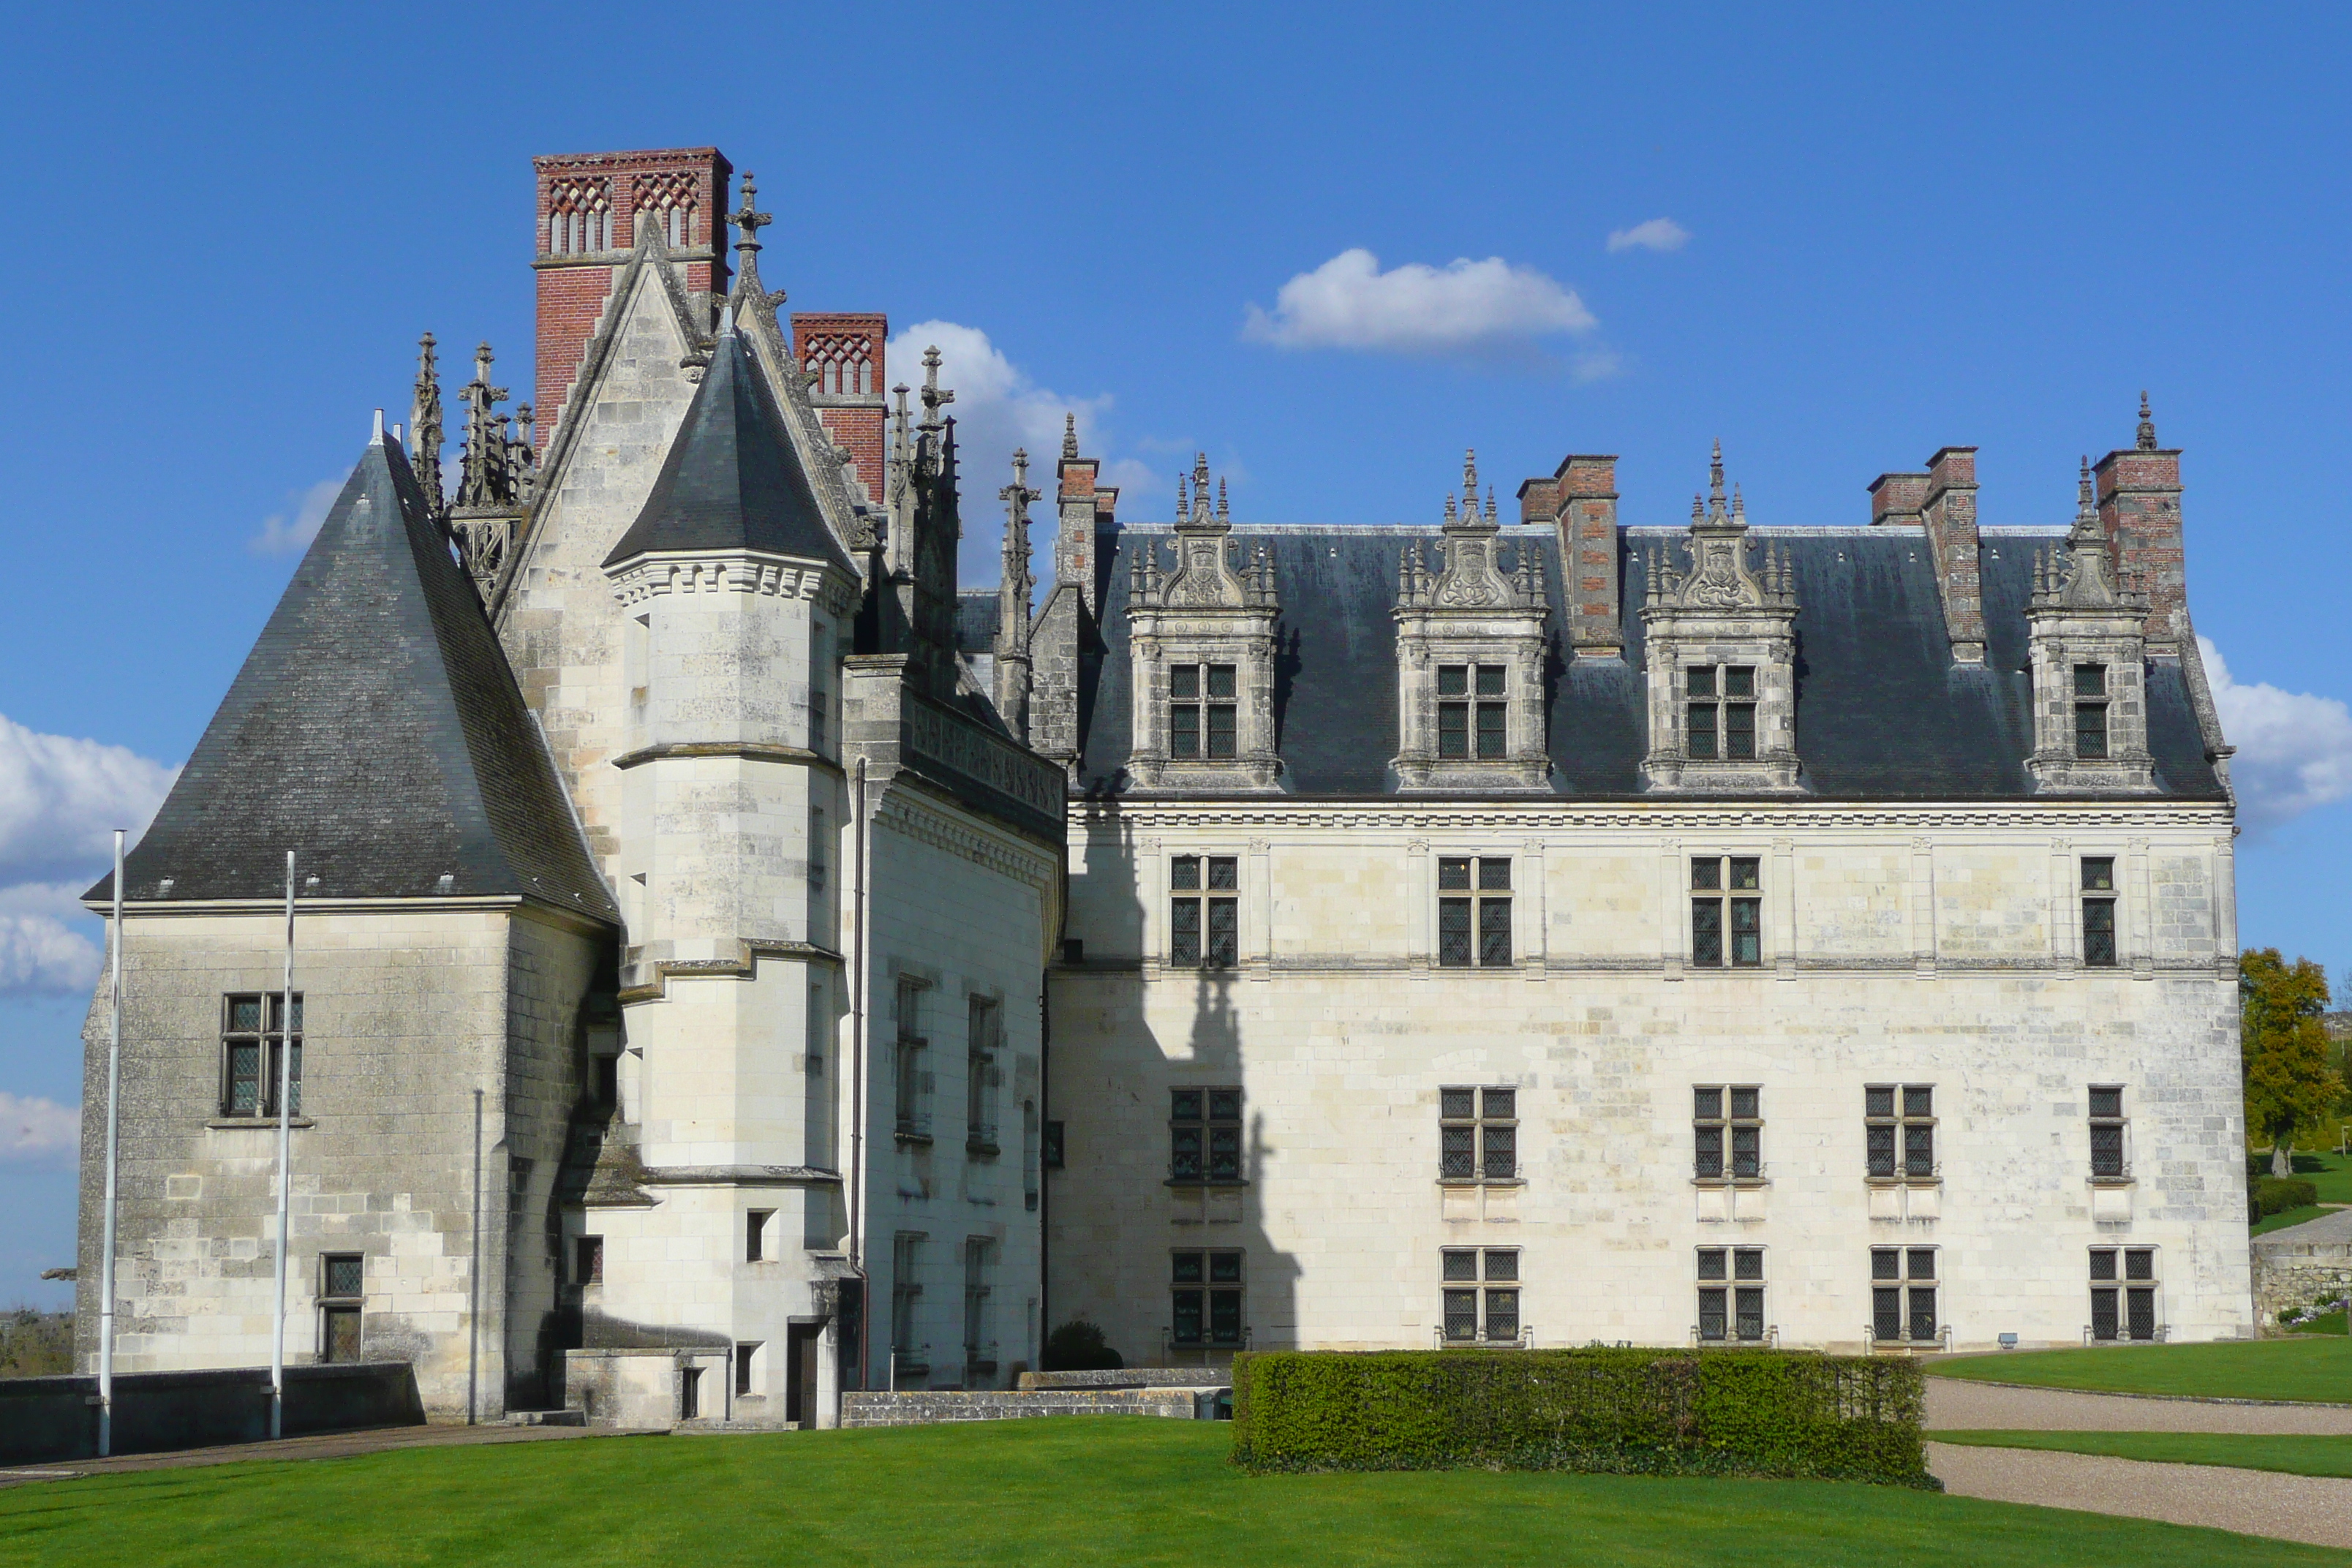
x: 2252, y: 1503
x: 1957, y: 1405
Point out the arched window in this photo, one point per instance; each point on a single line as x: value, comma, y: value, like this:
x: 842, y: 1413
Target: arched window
x: 579, y: 217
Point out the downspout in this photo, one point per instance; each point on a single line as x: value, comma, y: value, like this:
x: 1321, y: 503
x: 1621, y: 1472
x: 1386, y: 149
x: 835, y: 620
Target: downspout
x: 857, y: 1032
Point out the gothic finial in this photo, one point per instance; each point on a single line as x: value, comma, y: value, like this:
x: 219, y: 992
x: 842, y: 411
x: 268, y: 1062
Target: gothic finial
x: 1183, y: 502
x: 1470, y: 480
x: 1449, y: 508
x: 1715, y: 474
x: 2085, y: 499
x: 483, y: 359
x: 2147, y: 426
x: 934, y: 395
x: 1738, y: 507
x: 425, y: 423
x: 1221, y: 497
x: 1491, y: 515
x: 747, y: 222
x: 1698, y: 506
x: 1069, y: 437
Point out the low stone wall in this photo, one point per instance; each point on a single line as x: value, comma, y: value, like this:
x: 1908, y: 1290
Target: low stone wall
x: 923, y: 1407
x: 46, y: 1419
x: 1134, y: 1377
x: 2302, y: 1264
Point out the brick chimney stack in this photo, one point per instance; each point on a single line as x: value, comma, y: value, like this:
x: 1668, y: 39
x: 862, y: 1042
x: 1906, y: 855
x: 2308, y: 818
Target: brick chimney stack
x: 1081, y: 505
x: 2139, y: 507
x: 1898, y: 497
x: 841, y: 354
x: 1580, y: 500
x: 1942, y: 500
x: 590, y: 207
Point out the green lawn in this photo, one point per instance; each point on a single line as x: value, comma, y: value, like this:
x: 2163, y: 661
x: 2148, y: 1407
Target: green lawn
x: 2330, y: 1173
x: 2286, y: 1217
x: 1111, y: 1489
x: 2295, y: 1455
x: 2308, y: 1367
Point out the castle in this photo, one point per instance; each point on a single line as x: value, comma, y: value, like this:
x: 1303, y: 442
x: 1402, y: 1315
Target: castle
x: 748, y: 968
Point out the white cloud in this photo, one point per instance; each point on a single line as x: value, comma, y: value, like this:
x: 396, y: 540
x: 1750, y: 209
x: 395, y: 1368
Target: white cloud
x: 1658, y: 234
x: 2294, y: 749
x: 997, y: 408
x: 284, y: 532
x: 1463, y: 306
x: 32, y: 1128
x: 60, y: 797
x: 40, y: 953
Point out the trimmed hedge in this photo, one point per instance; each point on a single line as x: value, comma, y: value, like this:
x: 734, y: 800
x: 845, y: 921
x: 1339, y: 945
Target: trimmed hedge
x: 2276, y: 1194
x: 1621, y: 1411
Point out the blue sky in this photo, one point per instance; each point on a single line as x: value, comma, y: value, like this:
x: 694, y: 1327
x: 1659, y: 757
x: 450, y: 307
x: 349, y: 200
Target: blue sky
x: 1883, y: 230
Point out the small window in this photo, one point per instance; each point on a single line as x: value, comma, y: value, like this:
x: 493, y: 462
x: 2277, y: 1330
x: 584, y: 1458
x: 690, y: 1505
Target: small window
x: 588, y: 1260
x: 1478, y: 1134
x: 689, y: 1394
x: 607, y: 1071
x: 755, y: 1235
x: 1473, y: 719
x: 1474, y: 912
x: 1719, y: 712
x: 2099, y: 912
x: 1899, y: 1127
x: 912, y: 1082
x: 906, y: 1299
x: 1727, y: 1120
x: 2091, y: 711
x: 1050, y: 1152
x: 1202, y: 712
x: 1731, y: 1294
x: 745, y: 1355
x: 1903, y: 1285
x: 1205, y: 1135
x: 341, y: 1288
x: 1205, y: 1299
x: 979, y: 1291
x: 2108, y: 1161
x: 1481, y: 1295
x: 250, y: 1054
x: 1204, y: 911
x: 983, y: 1036
x: 1727, y: 911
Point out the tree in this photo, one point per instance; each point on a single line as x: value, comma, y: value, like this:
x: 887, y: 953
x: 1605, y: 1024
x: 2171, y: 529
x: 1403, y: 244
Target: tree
x: 2291, y: 1079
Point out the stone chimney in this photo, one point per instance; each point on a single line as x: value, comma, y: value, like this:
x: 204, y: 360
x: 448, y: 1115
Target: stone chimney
x: 1581, y: 498
x: 1943, y: 502
x: 2139, y: 507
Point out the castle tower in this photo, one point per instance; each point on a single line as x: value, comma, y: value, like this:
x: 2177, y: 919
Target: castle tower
x: 589, y: 212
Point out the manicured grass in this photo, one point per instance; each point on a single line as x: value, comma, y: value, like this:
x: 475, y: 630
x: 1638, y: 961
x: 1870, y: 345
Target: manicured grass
x: 2330, y: 1173
x: 1107, y: 1489
x: 2309, y: 1367
x: 2286, y: 1217
x: 2332, y: 1323
x: 2294, y: 1455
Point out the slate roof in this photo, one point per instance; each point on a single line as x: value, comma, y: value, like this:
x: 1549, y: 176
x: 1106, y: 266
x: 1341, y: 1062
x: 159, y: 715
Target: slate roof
x: 731, y: 481
x: 375, y: 730
x: 1881, y: 711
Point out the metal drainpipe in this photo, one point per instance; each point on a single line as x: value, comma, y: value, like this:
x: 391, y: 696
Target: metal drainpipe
x: 858, y: 1006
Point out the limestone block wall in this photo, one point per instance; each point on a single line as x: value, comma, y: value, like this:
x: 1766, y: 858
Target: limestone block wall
x: 1899, y: 948
x: 409, y: 1013
x: 2302, y: 1265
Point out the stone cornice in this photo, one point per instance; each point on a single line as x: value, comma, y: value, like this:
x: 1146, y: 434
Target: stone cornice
x: 275, y: 908
x: 1680, y: 814
x: 743, y: 966
x: 642, y: 578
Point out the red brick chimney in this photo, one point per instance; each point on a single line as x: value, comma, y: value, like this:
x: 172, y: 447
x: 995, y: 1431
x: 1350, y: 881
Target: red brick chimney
x: 841, y: 352
x: 590, y: 206
x: 2139, y: 507
x: 1581, y: 498
x: 1942, y: 500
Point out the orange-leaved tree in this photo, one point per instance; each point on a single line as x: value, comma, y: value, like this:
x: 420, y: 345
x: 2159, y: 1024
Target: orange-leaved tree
x: 2291, y: 1082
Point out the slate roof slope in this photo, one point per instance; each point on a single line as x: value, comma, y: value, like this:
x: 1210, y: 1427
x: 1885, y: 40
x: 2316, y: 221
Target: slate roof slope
x: 732, y: 480
x: 376, y: 729
x: 1881, y: 711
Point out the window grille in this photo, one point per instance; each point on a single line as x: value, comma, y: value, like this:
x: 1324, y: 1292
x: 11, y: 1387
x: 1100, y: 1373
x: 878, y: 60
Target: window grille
x: 1204, y: 928
x: 341, y: 1288
x: 249, y: 1055
x: 1730, y: 1294
x: 2107, y: 1125
x: 983, y: 1037
x: 1720, y: 707
x: 2123, y: 1293
x: 1903, y: 1285
x: 2091, y: 711
x: 1728, y: 1118
x: 1727, y: 911
x: 1474, y: 922
x: 1473, y: 719
x: 1205, y: 1135
x: 1481, y: 1295
x: 2099, y: 912
x: 1900, y: 1127
x: 913, y: 1119
x: 1478, y: 1134
x: 1201, y: 712
x: 1206, y: 1299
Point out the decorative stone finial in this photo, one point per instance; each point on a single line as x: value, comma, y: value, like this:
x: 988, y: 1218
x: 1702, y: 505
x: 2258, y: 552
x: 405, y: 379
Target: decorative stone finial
x: 749, y: 223
x: 425, y: 424
x: 1715, y: 475
x: 1069, y: 437
x: 1469, y: 479
x: 2147, y: 426
x: 2085, y: 498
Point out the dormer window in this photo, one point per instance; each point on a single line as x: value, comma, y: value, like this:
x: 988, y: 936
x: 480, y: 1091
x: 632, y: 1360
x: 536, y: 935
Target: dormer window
x: 1470, y: 705
x: 1722, y: 711
x: 2091, y: 713
x: 1201, y: 711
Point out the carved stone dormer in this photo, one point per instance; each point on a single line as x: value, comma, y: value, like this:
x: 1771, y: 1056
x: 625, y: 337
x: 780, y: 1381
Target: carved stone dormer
x: 1720, y: 652
x: 2088, y: 635
x: 1470, y: 656
x: 1202, y: 651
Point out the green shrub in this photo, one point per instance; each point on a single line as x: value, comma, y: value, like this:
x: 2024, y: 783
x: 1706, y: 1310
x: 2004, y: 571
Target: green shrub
x: 1078, y: 1346
x: 1629, y: 1412
x: 2276, y: 1194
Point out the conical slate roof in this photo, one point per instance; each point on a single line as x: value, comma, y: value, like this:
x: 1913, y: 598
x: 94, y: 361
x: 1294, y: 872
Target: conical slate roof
x: 375, y: 730
x: 732, y: 480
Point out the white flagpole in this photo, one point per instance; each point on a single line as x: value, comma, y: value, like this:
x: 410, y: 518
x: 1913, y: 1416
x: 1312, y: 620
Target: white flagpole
x: 285, y: 1173
x: 114, y: 1122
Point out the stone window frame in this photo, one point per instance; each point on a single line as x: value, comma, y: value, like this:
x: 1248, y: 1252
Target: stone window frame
x: 1206, y: 1146
x: 1729, y: 908
x: 1193, y: 692
x: 1251, y: 653
x: 2120, y: 1291
x: 1482, y: 1288
x: 265, y: 1043
x: 910, y: 1096
x: 2100, y: 897
x: 342, y: 1300
x: 980, y: 1255
x: 1896, y: 1283
x: 1723, y: 684
x: 1483, y: 1118
x: 906, y: 1303
x: 1730, y: 1284
x: 1481, y: 890
x: 1210, y: 908
x: 758, y: 1247
x: 1910, y: 1112
x: 984, y: 1049
x: 2089, y: 704
x: 1477, y: 701
x: 1722, y: 1117
x: 746, y: 1357
x: 1208, y: 1288
x: 2110, y: 1156
x: 587, y: 1260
